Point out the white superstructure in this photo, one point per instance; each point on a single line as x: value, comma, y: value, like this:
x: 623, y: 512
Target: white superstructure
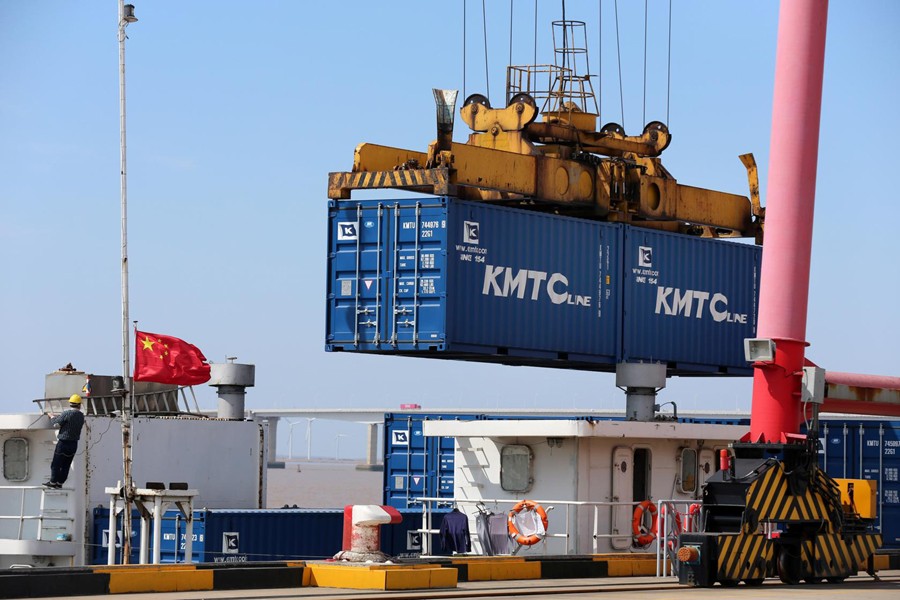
x: 224, y: 460
x: 592, y: 471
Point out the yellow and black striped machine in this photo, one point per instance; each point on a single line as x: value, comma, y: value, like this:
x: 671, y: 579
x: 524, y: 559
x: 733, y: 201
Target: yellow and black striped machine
x: 773, y: 512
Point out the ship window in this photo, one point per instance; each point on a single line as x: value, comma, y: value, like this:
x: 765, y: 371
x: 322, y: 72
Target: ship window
x: 515, y: 468
x: 15, y: 459
x: 688, y: 470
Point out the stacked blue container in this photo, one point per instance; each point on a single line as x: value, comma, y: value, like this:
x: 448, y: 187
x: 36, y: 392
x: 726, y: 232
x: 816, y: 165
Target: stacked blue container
x: 444, y: 278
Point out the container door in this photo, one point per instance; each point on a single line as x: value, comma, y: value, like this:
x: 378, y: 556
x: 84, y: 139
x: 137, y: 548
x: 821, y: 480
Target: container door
x: 889, y: 486
x: 356, y: 278
x: 386, y: 275
x: 622, y: 491
x: 879, y: 463
x: 416, y: 282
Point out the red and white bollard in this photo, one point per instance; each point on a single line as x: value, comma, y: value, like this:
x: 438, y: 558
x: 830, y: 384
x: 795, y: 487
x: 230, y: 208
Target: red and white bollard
x: 362, y: 531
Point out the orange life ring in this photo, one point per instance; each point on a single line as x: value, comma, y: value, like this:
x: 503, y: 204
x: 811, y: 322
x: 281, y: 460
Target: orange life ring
x: 643, y: 539
x: 674, y: 521
x: 694, y: 517
x: 523, y: 540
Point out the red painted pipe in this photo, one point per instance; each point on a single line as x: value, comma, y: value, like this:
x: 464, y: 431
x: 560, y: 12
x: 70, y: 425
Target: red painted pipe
x: 784, y: 283
x: 858, y: 394
x: 875, y: 382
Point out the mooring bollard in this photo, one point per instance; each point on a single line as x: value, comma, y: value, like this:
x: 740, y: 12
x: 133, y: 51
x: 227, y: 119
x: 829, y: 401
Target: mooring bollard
x: 362, y: 531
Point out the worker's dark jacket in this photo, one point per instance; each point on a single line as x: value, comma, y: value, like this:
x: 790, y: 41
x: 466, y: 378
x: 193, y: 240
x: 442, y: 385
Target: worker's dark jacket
x: 70, y: 422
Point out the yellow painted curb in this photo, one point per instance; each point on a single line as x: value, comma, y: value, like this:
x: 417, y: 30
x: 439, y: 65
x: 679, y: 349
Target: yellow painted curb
x: 444, y: 578
x: 882, y: 563
x: 124, y: 582
x: 618, y: 568
x: 641, y: 568
x: 378, y: 577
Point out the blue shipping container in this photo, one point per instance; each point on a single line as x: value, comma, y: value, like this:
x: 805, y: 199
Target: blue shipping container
x: 689, y: 302
x: 467, y: 280
x: 867, y: 449
x: 444, y: 278
x: 227, y: 536
x: 416, y: 466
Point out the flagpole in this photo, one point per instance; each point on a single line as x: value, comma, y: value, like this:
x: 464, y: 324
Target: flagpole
x: 125, y: 17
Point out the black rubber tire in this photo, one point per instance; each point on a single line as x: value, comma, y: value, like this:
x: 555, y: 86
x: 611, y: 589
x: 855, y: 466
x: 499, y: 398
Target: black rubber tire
x: 788, y: 568
x: 839, y: 579
x: 729, y: 583
x: 813, y: 580
x: 753, y: 582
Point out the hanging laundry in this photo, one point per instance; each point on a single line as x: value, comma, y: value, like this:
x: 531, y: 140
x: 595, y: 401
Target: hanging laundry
x: 454, y: 532
x: 482, y: 528
x: 499, y: 532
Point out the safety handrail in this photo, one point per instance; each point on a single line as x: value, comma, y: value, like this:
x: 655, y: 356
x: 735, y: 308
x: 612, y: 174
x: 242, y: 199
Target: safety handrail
x: 43, y: 516
x: 667, y: 531
x: 166, y: 402
x: 428, y: 503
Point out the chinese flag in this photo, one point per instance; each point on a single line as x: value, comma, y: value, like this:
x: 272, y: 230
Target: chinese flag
x: 166, y: 359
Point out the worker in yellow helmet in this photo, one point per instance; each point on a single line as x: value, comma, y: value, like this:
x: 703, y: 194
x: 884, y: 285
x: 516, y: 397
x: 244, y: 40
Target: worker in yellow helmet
x: 70, y: 422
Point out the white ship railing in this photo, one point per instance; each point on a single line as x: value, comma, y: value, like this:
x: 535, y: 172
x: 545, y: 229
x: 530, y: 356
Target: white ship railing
x: 428, y: 504
x: 53, y: 521
x: 674, y: 517
x: 166, y: 401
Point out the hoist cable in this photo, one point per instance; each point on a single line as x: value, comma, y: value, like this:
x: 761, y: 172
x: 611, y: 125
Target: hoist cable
x: 464, y: 49
x: 645, y: 62
x: 509, y: 64
x: 600, y: 58
x: 669, y: 67
x: 535, y: 31
x: 487, y: 78
x: 565, y: 52
x: 619, y: 59
x: 565, y: 29
x: 510, y: 30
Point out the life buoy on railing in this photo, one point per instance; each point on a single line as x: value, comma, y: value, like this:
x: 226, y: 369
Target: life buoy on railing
x: 673, y: 520
x: 694, y: 517
x: 642, y: 538
x: 526, y: 540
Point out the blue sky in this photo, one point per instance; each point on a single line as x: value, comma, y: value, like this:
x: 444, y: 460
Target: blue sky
x: 237, y: 111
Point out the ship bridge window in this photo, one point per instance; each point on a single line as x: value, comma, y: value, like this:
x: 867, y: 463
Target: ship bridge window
x: 15, y: 459
x: 516, y: 468
x: 688, y: 470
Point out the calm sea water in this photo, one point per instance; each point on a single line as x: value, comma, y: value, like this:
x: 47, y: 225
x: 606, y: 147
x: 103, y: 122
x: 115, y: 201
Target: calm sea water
x: 325, y: 484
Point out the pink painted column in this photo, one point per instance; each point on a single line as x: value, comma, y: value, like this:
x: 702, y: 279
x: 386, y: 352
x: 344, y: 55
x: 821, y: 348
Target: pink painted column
x: 784, y: 285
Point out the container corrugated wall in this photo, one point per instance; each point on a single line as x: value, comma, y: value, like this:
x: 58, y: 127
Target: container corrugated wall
x: 472, y: 281
x: 689, y: 302
x: 444, y: 278
x: 252, y: 535
x: 532, y: 286
x: 867, y: 449
x: 262, y: 535
x: 416, y: 466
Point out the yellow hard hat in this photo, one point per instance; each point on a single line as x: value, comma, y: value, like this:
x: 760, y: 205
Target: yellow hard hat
x: 75, y: 399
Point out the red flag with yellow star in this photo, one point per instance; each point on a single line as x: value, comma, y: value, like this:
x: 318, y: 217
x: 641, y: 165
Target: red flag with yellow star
x: 166, y: 359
